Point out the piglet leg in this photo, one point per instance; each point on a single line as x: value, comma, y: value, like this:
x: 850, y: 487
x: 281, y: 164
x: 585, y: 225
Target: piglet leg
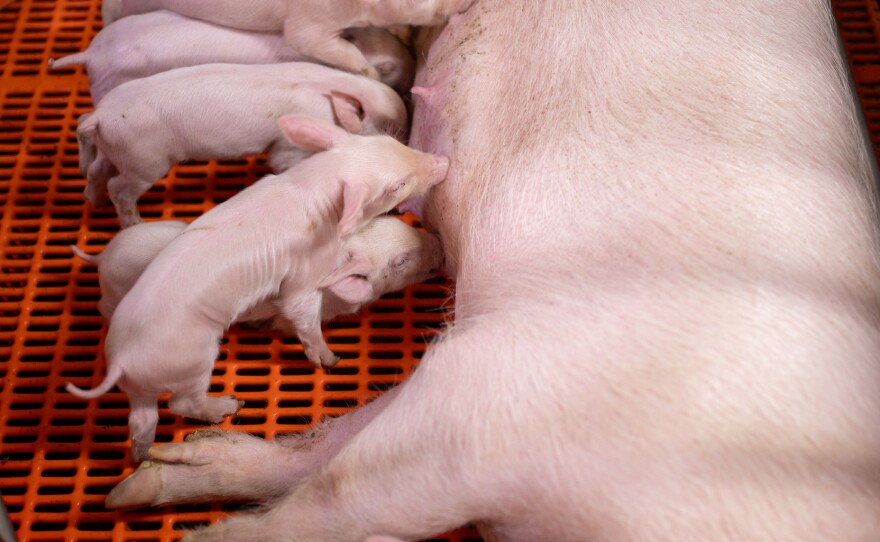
x: 204, y: 407
x: 99, y: 172
x: 303, y: 312
x: 124, y: 192
x: 219, y: 465
x: 331, y: 50
x: 142, y: 422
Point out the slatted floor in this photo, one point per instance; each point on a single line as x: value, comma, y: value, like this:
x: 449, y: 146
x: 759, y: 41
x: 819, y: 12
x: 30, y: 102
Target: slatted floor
x: 60, y: 456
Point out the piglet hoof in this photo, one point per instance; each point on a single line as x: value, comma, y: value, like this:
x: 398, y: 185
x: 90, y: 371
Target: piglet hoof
x: 240, y: 406
x: 95, y: 198
x: 141, y: 488
x: 322, y: 357
x: 227, y: 406
x: 328, y: 363
x: 140, y: 451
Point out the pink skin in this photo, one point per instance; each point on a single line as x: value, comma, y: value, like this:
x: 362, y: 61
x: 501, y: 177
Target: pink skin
x: 314, y: 27
x: 385, y: 52
x: 668, y: 285
x: 143, y: 45
x: 180, y: 108
x: 428, y: 94
x: 111, y: 11
x: 429, y: 97
x: 124, y: 259
x: 398, y: 256
x: 283, y: 238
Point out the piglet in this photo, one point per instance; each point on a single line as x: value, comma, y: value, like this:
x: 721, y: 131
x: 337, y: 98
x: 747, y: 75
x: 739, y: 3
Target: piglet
x: 400, y: 256
x: 143, y: 127
x: 111, y: 11
x: 278, y: 239
x: 125, y: 258
x: 143, y: 45
x: 313, y: 27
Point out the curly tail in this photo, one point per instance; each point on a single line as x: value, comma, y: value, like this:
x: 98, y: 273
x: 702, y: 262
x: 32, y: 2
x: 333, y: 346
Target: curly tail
x: 76, y: 59
x: 86, y: 128
x: 91, y: 258
x: 114, y: 373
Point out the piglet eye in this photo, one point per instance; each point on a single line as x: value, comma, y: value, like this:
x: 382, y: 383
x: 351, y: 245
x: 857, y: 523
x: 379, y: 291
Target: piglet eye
x: 401, y: 261
x: 397, y: 187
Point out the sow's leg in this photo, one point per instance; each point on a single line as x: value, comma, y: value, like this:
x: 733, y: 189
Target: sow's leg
x: 407, y: 473
x: 230, y: 465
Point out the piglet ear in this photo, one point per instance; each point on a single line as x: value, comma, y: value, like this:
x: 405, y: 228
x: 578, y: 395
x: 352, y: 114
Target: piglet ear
x: 348, y: 282
x: 309, y: 133
x: 352, y: 289
x: 348, y: 110
x: 354, y: 197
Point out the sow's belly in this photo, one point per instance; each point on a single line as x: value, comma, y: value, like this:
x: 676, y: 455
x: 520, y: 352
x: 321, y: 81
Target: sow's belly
x: 708, y: 227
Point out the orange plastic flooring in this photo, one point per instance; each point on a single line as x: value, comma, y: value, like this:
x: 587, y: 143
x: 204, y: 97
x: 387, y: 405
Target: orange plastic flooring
x: 59, y: 456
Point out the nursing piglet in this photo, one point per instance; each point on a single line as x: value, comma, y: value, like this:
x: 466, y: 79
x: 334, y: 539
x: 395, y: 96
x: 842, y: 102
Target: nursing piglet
x: 215, y: 111
x: 125, y: 258
x: 279, y: 238
x: 313, y: 27
x: 143, y: 45
x: 400, y: 256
